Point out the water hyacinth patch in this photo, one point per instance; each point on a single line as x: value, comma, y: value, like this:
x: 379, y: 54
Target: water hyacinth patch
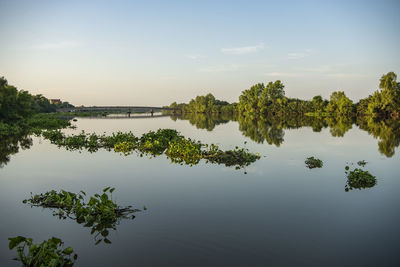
x: 176, y: 147
x: 312, y: 163
x: 47, y: 253
x: 359, y: 179
x: 100, y: 213
x: 362, y: 163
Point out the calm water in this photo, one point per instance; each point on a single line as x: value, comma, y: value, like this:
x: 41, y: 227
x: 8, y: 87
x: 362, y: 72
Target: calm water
x: 278, y: 214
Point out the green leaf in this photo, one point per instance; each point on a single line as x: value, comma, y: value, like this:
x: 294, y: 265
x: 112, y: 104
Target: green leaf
x: 106, y: 189
x: 55, y: 240
x: 15, y: 241
x: 104, y: 233
x: 68, y: 250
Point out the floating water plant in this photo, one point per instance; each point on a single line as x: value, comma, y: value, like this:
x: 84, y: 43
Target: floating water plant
x: 100, y: 212
x: 179, y: 149
x: 312, y: 163
x: 47, y: 253
x: 359, y: 179
x: 362, y: 163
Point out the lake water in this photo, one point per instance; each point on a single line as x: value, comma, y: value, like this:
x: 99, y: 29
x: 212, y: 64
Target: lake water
x: 275, y: 212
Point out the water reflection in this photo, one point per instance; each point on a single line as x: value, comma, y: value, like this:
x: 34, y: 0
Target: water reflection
x: 339, y: 126
x: 388, y: 133
x: 260, y: 129
x: 10, y: 145
x: 204, y: 121
x: 271, y: 129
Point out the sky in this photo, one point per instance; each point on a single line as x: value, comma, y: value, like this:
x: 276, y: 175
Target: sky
x: 157, y: 52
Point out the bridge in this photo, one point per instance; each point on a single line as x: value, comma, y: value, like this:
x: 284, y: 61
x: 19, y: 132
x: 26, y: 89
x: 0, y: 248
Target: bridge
x: 120, y: 109
x: 128, y: 116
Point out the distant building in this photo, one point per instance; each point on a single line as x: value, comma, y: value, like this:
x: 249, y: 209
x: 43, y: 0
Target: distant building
x: 55, y: 101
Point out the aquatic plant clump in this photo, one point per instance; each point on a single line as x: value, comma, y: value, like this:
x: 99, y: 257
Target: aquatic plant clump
x: 47, y: 253
x: 179, y: 149
x: 359, y: 179
x: 362, y: 163
x: 100, y: 212
x: 239, y: 157
x: 312, y: 163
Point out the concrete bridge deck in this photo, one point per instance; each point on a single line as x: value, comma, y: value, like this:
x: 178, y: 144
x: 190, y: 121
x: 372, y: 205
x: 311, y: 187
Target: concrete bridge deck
x: 127, y: 109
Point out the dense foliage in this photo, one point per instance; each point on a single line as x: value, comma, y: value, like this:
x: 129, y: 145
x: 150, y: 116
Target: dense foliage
x: 384, y: 103
x: 100, y: 213
x: 205, y: 104
x: 270, y: 99
x: 47, y: 253
x: 22, y: 114
x: 19, y: 104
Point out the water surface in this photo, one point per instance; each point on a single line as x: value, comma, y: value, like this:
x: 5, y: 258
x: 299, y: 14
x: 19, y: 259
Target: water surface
x: 279, y: 214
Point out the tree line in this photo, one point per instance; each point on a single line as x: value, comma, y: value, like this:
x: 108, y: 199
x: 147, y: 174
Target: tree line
x: 270, y: 99
x: 16, y: 105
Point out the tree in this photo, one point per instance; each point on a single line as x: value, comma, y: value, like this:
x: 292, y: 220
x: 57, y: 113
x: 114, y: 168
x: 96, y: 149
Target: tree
x: 318, y: 103
x: 386, y: 103
x: 340, y: 104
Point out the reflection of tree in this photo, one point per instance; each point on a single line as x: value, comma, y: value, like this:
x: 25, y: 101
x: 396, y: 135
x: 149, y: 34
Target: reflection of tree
x: 262, y: 129
x: 339, y: 125
x: 204, y: 121
x: 388, y: 132
x: 270, y: 129
x: 10, y: 145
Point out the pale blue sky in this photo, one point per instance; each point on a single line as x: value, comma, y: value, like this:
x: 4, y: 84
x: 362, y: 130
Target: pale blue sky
x: 157, y: 52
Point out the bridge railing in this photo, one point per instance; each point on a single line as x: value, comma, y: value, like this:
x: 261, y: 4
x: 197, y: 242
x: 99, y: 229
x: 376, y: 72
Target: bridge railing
x: 115, y: 108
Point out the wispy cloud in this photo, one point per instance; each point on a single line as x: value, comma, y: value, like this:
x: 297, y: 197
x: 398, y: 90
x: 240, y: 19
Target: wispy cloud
x: 298, y: 55
x: 56, y: 45
x: 283, y: 74
x: 194, y: 56
x: 242, y: 50
x: 221, y: 68
x: 345, y: 75
x: 317, y: 73
x: 319, y: 69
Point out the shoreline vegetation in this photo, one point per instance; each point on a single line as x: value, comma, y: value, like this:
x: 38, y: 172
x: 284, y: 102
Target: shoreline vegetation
x: 266, y: 100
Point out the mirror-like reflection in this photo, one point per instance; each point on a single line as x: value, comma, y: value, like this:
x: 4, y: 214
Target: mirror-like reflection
x: 204, y: 121
x: 387, y: 131
x: 10, y: 145
x: 271, y: 130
